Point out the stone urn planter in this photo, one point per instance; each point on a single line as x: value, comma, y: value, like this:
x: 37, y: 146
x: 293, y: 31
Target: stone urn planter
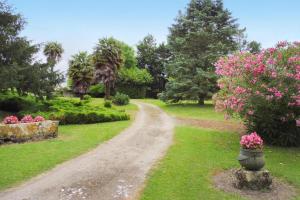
x: 252, y: 175
x: 251, y: 159
x: 21, y: 132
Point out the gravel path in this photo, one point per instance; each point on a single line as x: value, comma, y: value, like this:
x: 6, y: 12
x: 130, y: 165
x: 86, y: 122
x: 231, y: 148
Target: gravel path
x: 114, y: 170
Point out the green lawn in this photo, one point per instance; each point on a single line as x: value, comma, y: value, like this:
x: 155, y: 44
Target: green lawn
x: 19, y: 162
x: 189, y: 110
x: 186, y: 171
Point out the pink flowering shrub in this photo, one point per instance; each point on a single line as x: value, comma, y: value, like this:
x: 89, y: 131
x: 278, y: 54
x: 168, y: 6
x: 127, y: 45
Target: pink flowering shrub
x: 252, y: 141
x: 10, y: 120
x: 264, y: 90
x: 39, y: 119
x: 27, y: 119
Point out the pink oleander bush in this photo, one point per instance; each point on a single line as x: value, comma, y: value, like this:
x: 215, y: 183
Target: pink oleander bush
x: 252, y: 141
x: 27, y: 119
x: 264, y: 90
x: 10, y: 120
x: 39, y: 119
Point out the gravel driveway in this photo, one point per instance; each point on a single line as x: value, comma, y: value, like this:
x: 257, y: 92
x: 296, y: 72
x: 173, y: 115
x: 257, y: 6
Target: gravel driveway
x: 116, y: 169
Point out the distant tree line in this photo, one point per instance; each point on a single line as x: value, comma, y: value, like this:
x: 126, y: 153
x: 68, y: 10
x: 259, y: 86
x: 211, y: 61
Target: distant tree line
x: 181, y: 69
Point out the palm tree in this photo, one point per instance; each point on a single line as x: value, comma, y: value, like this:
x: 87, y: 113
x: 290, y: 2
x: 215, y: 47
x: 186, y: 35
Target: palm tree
x: 53, y: 51
x: 81, y: 73
x: 107, y: 59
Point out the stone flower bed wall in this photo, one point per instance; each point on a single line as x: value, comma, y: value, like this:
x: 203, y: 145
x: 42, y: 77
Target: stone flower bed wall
x: 22, y: 132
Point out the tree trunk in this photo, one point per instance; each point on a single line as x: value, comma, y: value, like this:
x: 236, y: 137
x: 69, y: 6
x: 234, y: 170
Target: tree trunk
x: 81, y: 96
x: 107, y: 90
x: 201, y: 101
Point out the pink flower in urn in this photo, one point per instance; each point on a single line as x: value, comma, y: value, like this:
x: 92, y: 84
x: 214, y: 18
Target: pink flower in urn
x: 27, y: 119
x: 10, y: 120
x: 252, y: 141
x: 39, y: 119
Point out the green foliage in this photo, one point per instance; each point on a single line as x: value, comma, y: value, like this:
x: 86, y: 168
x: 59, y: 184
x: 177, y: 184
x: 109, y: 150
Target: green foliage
x: 67, y: 111
x: 128, y: 55
x: 153, y: 58
x: 107, y: 104
x: 199, y: 37
x: 76, y: 112
x: 254, y: 47
x: 12, y: 103
x: 81, y: 72
x: 133, y: 91
x: 96, y: 90
x: 134, y: 76
x: 87, y: 98
x: 121, y: 99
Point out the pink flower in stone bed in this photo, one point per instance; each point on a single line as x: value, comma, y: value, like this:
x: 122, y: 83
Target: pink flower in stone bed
x: 27, y: 119
x: 10, y: 120
x: 39, y: 119
x: 252, y: 141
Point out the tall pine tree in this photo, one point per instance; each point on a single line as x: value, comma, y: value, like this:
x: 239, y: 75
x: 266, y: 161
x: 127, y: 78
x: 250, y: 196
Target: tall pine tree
x: 198, y: 38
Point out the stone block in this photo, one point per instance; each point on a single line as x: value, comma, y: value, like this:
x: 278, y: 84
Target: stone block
x: 28, y: 131
x: 253, y: 180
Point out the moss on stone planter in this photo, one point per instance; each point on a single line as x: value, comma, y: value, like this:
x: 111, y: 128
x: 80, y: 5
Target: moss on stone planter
x: 28, y: 131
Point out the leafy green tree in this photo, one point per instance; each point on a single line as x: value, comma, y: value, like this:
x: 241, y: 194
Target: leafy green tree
x: 81, y: 73
x: 107, y: 59
x: 134, y: 76
x: 43, y: 80
x: 53, y: 51
x: 18, y: 70
x: 10, y: 26
x: 128, y: 55
x: 153, y: 57
x: 254, y: 47
x: 197, y: 39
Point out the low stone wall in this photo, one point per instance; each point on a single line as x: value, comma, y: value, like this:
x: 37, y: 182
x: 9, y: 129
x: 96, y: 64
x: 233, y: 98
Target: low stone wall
x: 28, y: 131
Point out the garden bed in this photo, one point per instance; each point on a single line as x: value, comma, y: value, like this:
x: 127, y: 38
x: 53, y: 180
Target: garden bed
x: 22, y: 132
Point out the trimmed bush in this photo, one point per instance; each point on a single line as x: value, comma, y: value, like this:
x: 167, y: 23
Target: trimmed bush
x: 14, y: 104
x: 87, y: 98
x: 107, y: 104
x: 121, y: 99
x: 76, y: 112
x: 67, y: 111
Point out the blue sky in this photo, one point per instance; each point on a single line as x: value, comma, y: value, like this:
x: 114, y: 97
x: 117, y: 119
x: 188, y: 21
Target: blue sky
x: 78, y: 24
